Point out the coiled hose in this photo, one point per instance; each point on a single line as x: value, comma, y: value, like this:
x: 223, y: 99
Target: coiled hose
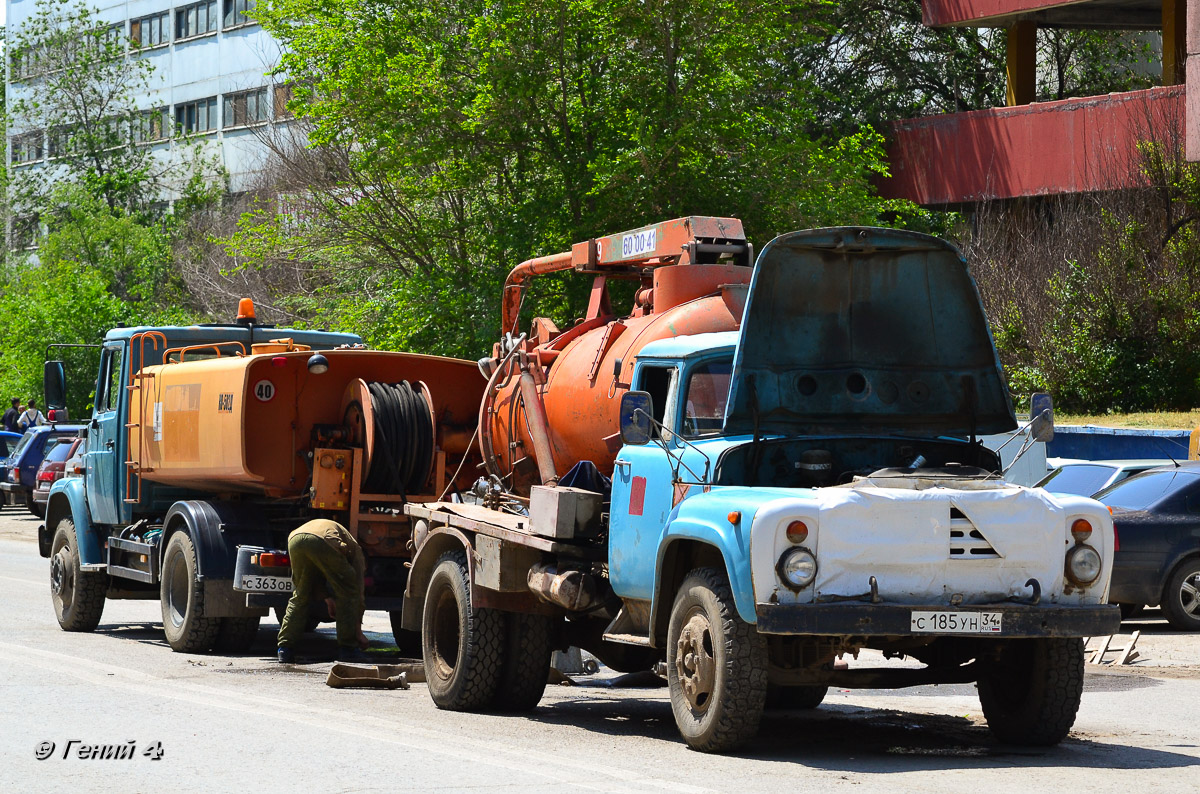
x: 403, y: 453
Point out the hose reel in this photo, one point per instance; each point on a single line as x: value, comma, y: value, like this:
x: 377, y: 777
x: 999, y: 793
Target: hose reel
x: 394, y: 425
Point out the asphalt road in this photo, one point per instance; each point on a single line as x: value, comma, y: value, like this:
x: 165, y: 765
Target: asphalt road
x: 246, y: 723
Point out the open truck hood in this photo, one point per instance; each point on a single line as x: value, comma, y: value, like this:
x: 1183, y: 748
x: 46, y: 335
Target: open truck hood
x: 864, y: 330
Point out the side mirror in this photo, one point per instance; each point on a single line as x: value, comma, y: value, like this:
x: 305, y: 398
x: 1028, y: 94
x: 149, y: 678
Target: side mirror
x: 1041, y: 417
x: 636, y: 409
x: 54, y: 384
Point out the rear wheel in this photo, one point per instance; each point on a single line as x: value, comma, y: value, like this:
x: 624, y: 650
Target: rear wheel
x: 236, y: 635
x: 188, y: 630
x: 528, y: 645
x: 78, y: 595
x: 1181, y: 599
x: 716, y: 665
x: 462, y: 645
x: 1030, y: 692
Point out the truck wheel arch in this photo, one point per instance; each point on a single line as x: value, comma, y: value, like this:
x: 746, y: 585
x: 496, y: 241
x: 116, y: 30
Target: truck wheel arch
x: 677, y: 558
x: 69, y: 502
x: 439, y: 541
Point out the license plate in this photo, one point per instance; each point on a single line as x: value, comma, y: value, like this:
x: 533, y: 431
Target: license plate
x: 266, y: 584
x: 956, y: 622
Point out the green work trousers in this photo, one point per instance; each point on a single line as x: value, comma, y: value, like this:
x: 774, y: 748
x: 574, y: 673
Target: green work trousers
x: 313, y: 560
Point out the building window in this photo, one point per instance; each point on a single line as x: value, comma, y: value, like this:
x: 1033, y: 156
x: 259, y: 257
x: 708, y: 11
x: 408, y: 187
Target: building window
x: 60, y: 141
x: 25, y: 232
x: 151, y: 125
x: 246, y: 107
x: 28, y: 148
x: 235, y: 12
x: 196, y: 117
x: 196, y: 19
x: 151, y: 31
x: 283, y: 95
x: 113, y: 37
x: 26, y: 64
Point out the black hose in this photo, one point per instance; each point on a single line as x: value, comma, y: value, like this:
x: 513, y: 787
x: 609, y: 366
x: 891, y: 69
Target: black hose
x: 402, y: 458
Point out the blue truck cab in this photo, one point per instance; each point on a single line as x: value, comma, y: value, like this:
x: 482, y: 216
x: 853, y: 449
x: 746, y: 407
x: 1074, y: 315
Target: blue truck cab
x: 104, y: 531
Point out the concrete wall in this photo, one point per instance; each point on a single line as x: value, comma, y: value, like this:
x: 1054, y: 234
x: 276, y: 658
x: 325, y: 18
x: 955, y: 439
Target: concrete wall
x: 216, y: 64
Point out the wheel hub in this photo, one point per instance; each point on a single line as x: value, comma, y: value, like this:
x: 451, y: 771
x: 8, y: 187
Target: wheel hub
x: 694, y: 662
x: 1189, y: 595
x: 58, y: 574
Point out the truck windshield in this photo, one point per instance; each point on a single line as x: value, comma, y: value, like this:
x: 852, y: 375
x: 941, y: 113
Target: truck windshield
x: 707, y: 394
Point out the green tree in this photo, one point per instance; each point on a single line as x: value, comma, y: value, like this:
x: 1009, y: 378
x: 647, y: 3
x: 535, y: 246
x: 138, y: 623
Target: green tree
x: 450, y: 140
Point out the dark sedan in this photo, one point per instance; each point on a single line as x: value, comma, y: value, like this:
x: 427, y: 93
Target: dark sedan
x: 1157, y: 519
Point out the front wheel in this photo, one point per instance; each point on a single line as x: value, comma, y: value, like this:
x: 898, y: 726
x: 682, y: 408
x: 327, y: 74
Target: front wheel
x: 78, y: 595
x: 1181, y: 599
x: 1030, y: 692
x: 716, y: 665
x: 462, y: 645
x: 188, y: 630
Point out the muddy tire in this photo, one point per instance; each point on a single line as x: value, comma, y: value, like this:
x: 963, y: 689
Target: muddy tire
x: 182, y: 598
x: 78, y: 596
x: 1181, y: 598
x: 407, y: 641
x: 1030, y: 694
x: 528, y: 645
x: 236, y: 635
x: 795, y: 697
x: 716, y: 665
x: 462, y: 646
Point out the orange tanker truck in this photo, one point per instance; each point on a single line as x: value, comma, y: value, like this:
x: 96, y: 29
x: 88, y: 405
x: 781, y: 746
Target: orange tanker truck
x: 208, y: 444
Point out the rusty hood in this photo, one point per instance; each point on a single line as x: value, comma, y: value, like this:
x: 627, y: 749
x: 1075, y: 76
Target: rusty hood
x: 864, y: 330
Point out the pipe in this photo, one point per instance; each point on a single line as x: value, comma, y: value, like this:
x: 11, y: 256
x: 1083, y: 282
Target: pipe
x: 535, y: 420
x: 573, y: 590
x: 511, y: 296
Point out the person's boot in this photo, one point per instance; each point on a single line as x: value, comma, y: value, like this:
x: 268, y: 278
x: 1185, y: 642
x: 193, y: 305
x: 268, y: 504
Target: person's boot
x: 286, y: 656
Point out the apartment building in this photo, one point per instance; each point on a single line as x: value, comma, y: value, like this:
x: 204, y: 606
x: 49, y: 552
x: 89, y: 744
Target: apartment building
x: 210, y: 79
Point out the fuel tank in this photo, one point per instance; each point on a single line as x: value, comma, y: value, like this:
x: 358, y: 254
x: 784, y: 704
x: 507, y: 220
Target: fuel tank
x: 580, y: 374
x: 250, y: 423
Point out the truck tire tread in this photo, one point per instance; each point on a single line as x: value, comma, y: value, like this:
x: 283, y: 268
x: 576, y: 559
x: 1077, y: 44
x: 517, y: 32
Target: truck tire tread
x: 1032, y: 696
x: 88, y: 587
x: 738, y: 703
x: 528, y: 645
x: 236, y: 635
x: 197, y: 633
x: 471, y: 683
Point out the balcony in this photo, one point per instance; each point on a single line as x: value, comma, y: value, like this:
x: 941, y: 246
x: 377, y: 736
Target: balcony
x: 1046, y: 148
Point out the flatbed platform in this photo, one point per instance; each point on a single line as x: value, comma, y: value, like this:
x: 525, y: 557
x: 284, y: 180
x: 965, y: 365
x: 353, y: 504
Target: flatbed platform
x: 497, y: 524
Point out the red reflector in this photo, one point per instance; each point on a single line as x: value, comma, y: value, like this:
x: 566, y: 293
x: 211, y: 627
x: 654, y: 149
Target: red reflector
x: 44, y: 476
x: 278, y: 361
x: 797, y: 532
x: 271, y: 560
x: 1116, y: 539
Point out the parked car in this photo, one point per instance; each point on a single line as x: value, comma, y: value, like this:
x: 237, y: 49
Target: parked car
x: 76, y: 465
x: 1156, y: 515
x: 1086, y: 477
x: 53, y: 468
x: 24, y: 461
x: 8, y: 443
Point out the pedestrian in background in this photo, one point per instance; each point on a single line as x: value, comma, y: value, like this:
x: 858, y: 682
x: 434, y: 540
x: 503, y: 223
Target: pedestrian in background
x: 10, y: 416
x: 31, y: 416
x: 323, y: 550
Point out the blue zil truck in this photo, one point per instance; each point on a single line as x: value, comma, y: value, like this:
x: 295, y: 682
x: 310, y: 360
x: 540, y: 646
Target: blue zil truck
x: 783, y: 495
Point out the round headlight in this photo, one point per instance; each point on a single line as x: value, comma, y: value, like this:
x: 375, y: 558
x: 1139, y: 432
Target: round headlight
x: 1083, y: 564
x: 798, y: 567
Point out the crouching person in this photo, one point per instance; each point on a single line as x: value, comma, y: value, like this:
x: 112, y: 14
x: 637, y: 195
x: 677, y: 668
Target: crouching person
x: 322, y: 551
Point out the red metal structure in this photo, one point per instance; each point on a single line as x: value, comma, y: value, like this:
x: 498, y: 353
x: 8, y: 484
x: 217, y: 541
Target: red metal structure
x: 1070, y: 146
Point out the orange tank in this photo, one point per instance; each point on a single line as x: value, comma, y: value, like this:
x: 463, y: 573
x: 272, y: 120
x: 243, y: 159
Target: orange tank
x: 693, y: 273
x: 250, y: 423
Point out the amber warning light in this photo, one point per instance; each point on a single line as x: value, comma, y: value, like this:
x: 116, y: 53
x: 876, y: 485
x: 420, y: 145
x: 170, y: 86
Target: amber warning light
x: 245, y: 314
